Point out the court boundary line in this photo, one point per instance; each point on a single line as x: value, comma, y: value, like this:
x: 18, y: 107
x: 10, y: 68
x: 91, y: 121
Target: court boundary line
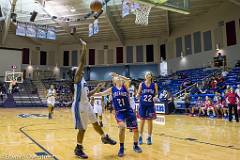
x: 36, y: 143
x: 197, y: 141
x: 188, y: 139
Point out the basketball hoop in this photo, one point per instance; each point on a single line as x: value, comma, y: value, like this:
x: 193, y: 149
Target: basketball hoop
x: 142, y: 14
x: 13, y: 77
x: 141, y: 10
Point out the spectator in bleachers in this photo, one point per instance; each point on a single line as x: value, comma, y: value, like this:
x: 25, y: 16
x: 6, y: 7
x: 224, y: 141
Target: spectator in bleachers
x: 209, y: 106
x: 232, y: 99
x: 220, y: 78
x: 224, y: 73
x: 213, y: 84
x: 203, y: 87
x: 228, y: 88
x: 197, y: 106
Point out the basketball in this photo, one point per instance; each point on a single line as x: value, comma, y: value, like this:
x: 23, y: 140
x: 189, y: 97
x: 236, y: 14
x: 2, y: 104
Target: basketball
x: 96, y: 5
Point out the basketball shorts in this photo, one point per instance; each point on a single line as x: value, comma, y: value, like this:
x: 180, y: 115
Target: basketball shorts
x: 98, y: 109
x: 147, y: 112
x: 51, y: 101
x: 83, y: 114
x: 128, y: 117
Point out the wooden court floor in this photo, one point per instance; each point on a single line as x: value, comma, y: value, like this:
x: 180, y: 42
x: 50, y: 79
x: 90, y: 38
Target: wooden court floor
x: 175, y: 137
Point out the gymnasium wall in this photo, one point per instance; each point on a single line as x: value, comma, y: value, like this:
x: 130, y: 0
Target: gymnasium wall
x: 210, y: 21
x: 99, y: 49
x: 35, y: 47
x: 9, y: 58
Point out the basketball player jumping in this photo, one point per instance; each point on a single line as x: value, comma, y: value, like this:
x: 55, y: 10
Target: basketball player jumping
x: 125, y: 115
x: 82, y: 110
x: 148, y: 94
x: 51, y: 100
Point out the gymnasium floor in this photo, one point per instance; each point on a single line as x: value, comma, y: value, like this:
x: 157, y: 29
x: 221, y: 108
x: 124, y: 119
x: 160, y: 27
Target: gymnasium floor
x: 175, y: 138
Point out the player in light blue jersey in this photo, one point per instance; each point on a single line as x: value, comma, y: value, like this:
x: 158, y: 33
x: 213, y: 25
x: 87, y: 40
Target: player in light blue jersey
x: 82, y: 109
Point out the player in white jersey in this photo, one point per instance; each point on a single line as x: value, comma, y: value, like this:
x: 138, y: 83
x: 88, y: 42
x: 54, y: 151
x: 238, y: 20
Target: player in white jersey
x: 51, y: 96
x: 97, y: 107
x: 82, y: 109
x: 132, y: 93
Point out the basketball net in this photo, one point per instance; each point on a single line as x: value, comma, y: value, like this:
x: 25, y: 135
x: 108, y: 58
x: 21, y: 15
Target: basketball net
x: 140, y: 10
x: 142, y: 14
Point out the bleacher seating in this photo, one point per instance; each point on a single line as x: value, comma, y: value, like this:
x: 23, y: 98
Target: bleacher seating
x: 24, y: 96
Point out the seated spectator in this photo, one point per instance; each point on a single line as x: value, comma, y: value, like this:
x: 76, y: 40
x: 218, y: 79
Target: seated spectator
x: 197, y: 106
x: 217, y: 100
x: 202, y: 110
x: 209, y: 106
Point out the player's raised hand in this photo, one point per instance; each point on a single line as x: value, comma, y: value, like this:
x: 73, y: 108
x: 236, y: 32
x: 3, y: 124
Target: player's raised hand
x: 83, y: 42
x: 101, y: 85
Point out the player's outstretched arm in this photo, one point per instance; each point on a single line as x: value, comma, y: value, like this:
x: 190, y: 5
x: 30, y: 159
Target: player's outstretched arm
x: 104, y: 93
x: 79, y: 73
x: 97, y: 89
